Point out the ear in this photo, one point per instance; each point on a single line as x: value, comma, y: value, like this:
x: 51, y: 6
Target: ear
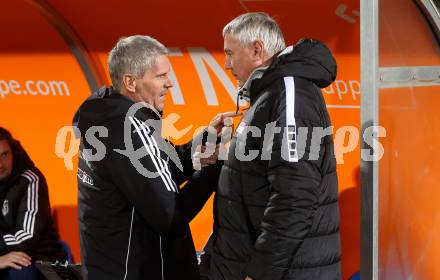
x: 129, y: 83
x: 258, y: 50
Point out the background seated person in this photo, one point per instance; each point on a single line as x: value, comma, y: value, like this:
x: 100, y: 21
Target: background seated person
x: 27, y: 231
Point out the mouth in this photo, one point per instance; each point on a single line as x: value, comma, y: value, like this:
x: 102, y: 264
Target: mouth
x: 163, y: 96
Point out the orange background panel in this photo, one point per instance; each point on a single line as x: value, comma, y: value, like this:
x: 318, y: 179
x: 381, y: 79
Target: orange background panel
x: 409, y: 217
x: 408, y: 42
x: 34, y: 51
x: 409, y: 214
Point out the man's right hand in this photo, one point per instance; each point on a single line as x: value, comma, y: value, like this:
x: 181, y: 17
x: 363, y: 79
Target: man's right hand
x: 221, y: 120
x: 15, y: 260
x: 208, y: 154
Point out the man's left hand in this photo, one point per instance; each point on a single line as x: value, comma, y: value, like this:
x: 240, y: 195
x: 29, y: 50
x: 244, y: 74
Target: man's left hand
x: 200, y: 158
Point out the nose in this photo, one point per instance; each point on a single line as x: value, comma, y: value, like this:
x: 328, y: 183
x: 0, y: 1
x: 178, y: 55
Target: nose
x: 168, y: 82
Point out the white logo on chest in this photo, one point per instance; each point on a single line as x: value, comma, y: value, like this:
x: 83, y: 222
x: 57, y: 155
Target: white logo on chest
x: 5, y: 208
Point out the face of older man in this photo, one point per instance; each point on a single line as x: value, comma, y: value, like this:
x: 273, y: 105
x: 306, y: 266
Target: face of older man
x: 241, y: 61
x: 6, y: 160
x: 153, y: 87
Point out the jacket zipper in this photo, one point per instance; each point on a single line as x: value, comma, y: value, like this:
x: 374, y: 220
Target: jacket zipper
x: 161, y: 256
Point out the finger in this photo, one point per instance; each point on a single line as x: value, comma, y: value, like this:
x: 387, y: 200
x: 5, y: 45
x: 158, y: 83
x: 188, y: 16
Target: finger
x: 204, y: 161
x: 13, y: 265
x: 228, y: 121
x: 196, y: 155
x: 210, y: 161
x: 213, y: 157
x: 24, y: 255
x: 232, y: 114
x: 23, y: 259
x: 217, y: 148
x: 197, y: 165
x: 216, y: 151
x: 213, y: 128
x: 198, y: 148
x: 21, y: 262
x: 217, y: 120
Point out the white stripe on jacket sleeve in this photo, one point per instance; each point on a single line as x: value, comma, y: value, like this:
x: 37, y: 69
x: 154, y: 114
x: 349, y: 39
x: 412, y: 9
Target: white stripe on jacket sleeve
x: 156, y: 159
x: 289, y: 83
x: 31, y: 212
x: 163, y: 164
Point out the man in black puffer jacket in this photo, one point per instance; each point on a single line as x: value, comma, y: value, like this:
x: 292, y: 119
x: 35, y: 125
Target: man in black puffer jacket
x: 276, y: 210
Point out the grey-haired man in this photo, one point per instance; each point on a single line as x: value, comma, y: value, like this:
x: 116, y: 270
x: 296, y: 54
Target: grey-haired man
x: 133, y: 216
x: 276, y: 206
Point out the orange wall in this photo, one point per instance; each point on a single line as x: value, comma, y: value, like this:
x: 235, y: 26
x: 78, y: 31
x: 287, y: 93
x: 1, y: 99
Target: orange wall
x: 409, y: 216
x: 35, y: 51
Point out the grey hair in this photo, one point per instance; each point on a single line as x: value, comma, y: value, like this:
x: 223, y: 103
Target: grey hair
x: 133, y: 55
x: 250, y: 27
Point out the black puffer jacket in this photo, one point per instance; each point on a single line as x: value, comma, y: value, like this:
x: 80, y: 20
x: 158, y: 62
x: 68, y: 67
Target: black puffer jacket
x: 276, y: 208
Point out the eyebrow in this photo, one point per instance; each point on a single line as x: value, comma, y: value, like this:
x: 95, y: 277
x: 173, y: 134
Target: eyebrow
x: 162, y: 73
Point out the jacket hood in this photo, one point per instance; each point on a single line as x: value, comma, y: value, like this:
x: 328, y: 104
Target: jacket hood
x: 96, y: 108
x: 104, y: 105
x: 308, y: 59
